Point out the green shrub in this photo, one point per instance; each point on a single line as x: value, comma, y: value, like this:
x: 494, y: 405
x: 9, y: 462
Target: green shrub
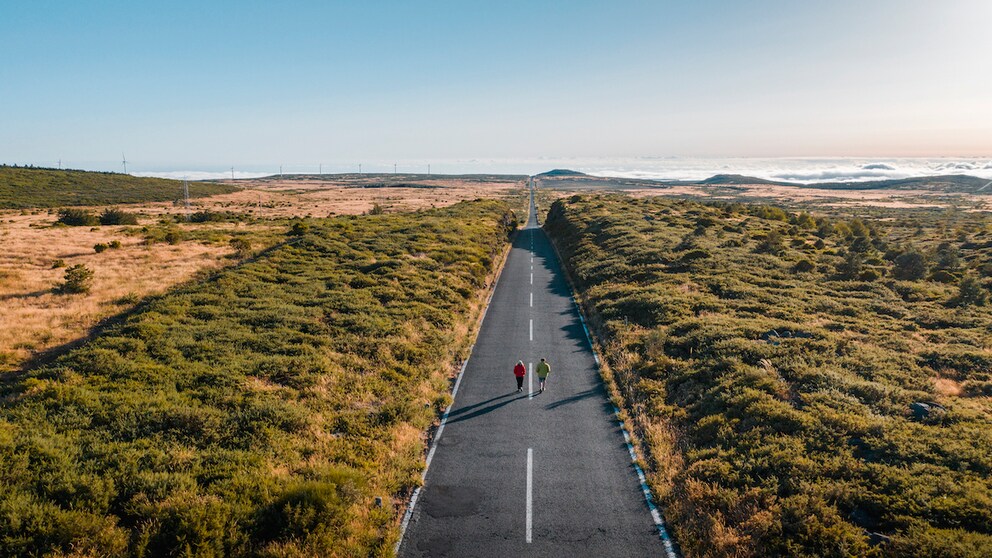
x: 943, y: 276
x: 237, y: 416
x: 299, y: 228
x: 58, y: 263
x: 114, y: 216
x: 174, y: 236
x: 376, y: 209
x: 787, y: 413
x: 910, y: 266
x: 242, y: 246
x: 77, y: 218
x: 100, y: 247
x: 971, y: 292
x: 78, y: 280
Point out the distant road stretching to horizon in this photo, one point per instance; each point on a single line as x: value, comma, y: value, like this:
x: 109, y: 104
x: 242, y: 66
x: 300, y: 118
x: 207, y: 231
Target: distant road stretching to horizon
x: 528, y: 474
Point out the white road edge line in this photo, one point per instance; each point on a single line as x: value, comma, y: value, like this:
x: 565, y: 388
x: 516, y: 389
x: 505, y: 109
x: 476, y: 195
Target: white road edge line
x: 530, y: 493
x: 659, y: 522
x: 444, y: 418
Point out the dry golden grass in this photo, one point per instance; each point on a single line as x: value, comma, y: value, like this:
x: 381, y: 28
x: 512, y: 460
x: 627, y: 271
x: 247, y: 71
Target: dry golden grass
x: 34, y: 319
x: 299, y: 197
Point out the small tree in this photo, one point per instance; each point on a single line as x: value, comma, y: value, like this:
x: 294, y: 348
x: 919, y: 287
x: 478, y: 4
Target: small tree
x: 971, y: 292
x: 78, y: 280
x: 910, y: 266
x: 947, y: 257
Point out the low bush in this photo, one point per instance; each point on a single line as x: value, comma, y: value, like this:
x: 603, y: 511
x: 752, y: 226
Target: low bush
x: 786, y: 391
x: 78, y: 280
x: 78, y: 218
x: 259, y: 412
x: 114, y: 216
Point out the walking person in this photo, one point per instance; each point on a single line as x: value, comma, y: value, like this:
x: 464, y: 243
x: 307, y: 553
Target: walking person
x: 519, y: 371
x: 543, y: 369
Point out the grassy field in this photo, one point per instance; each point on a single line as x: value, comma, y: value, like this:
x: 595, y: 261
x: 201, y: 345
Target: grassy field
x: 136, y: 261
x: 802, y: 385
x: 164, y: 248
x: 259, y: 412
x: 27, y: 187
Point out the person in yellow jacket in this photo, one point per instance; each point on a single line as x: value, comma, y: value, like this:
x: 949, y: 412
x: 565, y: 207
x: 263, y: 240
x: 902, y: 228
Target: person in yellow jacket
x: 543, y: 369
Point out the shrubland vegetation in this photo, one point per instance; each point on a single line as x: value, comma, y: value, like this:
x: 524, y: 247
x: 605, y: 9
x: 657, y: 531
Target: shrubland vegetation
x: 26, y: 187
x: 259, y: 412
x: 804, y: 385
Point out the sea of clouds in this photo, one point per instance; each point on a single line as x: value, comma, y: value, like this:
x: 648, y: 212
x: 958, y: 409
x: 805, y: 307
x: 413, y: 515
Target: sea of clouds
x: 795, y: 170
x: 802, y: 170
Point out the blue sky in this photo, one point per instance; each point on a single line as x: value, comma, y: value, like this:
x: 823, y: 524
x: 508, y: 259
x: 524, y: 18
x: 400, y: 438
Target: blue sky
x: 196, y: 84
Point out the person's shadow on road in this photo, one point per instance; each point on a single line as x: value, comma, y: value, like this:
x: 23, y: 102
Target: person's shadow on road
x: 479, y: 409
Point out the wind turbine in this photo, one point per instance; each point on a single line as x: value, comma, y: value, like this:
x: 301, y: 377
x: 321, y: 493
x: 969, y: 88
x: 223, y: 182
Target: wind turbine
x: 124, y: 162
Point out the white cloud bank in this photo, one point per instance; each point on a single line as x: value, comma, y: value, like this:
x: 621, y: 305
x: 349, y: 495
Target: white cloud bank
x: 805, y: 170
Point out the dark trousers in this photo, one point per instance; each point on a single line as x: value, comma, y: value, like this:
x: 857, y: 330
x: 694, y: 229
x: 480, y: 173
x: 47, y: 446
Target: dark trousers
x: 520, y: 382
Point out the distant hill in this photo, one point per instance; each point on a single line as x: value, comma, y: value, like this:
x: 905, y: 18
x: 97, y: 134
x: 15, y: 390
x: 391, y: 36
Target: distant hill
x: 25, y: 187
x: 561, y: 172
x: 740, y: 179
x: 959, y: 183
x: 948, y: 183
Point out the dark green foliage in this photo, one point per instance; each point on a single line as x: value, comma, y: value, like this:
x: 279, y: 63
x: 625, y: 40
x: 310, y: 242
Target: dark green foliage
x: 947, y: 257
x: 804, y: 266
x: 78, y: 218
x: 207, y: 216
x: 795, y: 414
x: 115, y: 216
x: 299, y: 228
x: 78, y: 280
x: 259, y: 412
x: 910, y: 265
x: 971, y: 292
x: 100, y: 247
x: 772, y: 243
x: 23, y: 187
x: 173, y: 236
x: 376, y: 209
x: 242, y: 246
x: 115, y: 245
x: 58, y: 263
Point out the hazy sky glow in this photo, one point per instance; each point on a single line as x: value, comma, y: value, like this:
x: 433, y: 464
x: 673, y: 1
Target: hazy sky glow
x: 187, y: 85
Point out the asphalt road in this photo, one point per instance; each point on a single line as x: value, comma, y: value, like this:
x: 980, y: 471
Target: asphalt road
x: 528, y: 474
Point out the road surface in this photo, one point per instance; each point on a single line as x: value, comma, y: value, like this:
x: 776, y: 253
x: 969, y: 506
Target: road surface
x: 528, y: 474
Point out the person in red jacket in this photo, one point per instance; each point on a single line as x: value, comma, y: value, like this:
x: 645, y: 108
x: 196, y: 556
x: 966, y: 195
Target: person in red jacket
x: 519, y: 371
